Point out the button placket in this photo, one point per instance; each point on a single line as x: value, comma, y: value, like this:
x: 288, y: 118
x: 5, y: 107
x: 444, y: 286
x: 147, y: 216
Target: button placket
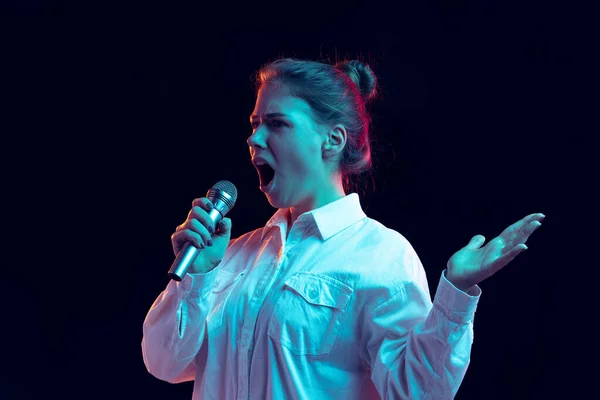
x: 264, y: 285
x: 243, y: 381
x: 247, y: 337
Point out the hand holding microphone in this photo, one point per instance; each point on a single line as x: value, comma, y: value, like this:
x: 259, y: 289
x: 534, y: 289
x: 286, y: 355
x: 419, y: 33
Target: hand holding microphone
x: 200, y: 242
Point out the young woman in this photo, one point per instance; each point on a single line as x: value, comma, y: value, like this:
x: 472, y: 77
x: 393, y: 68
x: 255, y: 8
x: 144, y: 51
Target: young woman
x: 323, y: 302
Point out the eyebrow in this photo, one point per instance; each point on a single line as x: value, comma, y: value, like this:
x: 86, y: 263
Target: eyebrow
x: 270, y: 115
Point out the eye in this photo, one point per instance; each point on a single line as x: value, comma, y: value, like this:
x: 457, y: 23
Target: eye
x: 273, y: 123
x: 276, y: 123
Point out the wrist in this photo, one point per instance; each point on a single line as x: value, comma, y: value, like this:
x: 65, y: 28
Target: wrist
x: 458, y: 283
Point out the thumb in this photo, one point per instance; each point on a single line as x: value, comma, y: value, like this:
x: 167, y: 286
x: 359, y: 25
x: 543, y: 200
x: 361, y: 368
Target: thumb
x: 476, y: 242
x: 224, y: 226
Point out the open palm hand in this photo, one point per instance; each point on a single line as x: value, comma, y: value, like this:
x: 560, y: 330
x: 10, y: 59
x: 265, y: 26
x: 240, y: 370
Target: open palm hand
x: 473, y: 263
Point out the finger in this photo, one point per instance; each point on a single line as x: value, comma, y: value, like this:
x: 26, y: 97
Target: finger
x: 186, y: 235
x: 524, y: 234
x: 506, y: 258
x: 515, y: 251
x: 199, y: 228
x: 224, y: 226
x: 512, y: 232
x: 531, y: 227
x: 535, y: 217
x: 203, y: 203
x: 524, y: 221
x: 476, y: 242
x: 201, y: 215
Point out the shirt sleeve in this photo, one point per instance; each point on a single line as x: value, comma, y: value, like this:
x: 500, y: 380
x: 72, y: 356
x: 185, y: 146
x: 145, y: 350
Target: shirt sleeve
x: 418, y: 349
x: 174, y: 328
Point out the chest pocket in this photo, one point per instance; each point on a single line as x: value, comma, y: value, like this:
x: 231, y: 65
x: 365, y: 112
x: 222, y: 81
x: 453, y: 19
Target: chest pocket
x: 220, y: 291
x: 307, y: 315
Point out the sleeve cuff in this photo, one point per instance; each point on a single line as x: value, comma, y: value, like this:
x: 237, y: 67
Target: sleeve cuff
x: 197, y: 283
x: 456, y: 304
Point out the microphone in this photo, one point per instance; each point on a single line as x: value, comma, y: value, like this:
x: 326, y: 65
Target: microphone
x: 223, y: 196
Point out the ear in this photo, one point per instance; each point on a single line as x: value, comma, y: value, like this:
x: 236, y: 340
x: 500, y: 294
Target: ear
x: 335, y: 140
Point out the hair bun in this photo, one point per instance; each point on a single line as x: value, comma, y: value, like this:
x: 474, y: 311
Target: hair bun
x: 362, y: 75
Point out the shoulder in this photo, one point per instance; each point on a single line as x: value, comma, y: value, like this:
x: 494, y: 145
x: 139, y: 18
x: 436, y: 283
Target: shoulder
x: 394, y: 262
x: 390, y: 243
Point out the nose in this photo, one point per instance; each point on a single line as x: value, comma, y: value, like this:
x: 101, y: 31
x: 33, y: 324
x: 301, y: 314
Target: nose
x: 258, y: 139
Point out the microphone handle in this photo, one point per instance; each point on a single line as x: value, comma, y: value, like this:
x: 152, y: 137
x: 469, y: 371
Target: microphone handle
x: 188, y: 253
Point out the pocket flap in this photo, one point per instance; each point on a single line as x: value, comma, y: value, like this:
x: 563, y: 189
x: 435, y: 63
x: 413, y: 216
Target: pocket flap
x: 320, y: 289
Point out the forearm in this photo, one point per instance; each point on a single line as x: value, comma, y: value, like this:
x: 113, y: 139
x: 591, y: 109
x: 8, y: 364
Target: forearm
x: 173, y: 329
x: 428, y: 357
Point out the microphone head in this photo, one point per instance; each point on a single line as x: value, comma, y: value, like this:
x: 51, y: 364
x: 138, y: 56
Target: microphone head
x: 224, y: 191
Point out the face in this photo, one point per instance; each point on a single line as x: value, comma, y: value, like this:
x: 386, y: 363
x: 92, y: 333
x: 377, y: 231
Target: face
x: 285, y: 134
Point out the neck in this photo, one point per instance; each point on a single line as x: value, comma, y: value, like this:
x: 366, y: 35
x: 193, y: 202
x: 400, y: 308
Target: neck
x: 334, y: 192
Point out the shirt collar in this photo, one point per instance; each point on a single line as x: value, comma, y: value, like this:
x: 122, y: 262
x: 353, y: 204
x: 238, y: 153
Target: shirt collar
x: 329, y: 219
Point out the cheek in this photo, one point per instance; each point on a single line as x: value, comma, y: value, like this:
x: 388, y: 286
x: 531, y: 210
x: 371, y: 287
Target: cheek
x: 314, y: 155
x: 304, y: 159
x: 301, y: 155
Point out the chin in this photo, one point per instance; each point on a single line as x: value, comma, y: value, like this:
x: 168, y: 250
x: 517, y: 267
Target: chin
x: 284, y: 197
x: 276, y: 202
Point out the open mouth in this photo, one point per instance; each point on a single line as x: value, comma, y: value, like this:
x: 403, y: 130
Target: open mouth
x: 266, y: 174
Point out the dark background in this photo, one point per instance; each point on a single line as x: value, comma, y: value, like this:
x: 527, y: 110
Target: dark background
x: 119, y: 114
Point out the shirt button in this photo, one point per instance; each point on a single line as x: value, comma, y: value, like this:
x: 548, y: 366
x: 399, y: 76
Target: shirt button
x: 314, y: 293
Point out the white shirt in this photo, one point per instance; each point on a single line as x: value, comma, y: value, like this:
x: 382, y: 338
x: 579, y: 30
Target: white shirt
x: 338, y: 310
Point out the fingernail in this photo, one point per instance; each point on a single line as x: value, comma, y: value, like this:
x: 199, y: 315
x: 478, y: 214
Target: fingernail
x: 211, y: 229
x: 209, y: 242
x: 210, y: 205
